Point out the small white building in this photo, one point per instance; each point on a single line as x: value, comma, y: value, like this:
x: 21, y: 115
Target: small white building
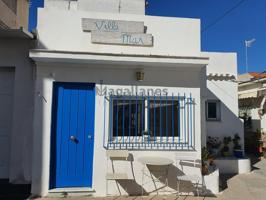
x: 109, y: 77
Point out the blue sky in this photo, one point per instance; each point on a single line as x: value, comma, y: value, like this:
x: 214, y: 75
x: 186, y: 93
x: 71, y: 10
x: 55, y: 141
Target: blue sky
x: 245, y: 22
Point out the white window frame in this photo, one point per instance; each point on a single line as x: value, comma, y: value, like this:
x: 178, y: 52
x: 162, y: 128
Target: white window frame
x: 132, y: 137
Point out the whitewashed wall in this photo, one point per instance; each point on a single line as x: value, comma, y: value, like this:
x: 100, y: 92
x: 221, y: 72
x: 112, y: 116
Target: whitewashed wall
x: 61, y: 30
x: 172, y: 37
x: 14, y: 53
x: 107, y: 6
x: 226, y: 92
x: 113, y: 6
x: 176, y: 81
x: 61, y: 4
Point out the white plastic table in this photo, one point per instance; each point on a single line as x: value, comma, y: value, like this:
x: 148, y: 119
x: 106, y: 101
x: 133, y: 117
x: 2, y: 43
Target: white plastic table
x: 154, y: 161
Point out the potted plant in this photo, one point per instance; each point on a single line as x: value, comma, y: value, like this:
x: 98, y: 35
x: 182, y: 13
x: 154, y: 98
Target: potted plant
x: 225, y: 150
x: 204, y: 161
x: 238, y: 152
x: 213, y: 144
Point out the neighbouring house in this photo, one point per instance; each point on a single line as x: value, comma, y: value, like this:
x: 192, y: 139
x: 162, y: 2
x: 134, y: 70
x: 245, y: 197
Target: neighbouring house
x: 16, y: 92
x: 14, y: 14
x: 252, y: 107
x: 109, y: 77
x: 252, y: 99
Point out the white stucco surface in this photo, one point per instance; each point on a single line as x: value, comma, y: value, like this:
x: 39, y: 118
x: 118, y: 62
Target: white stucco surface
x: 14, y: 54
x: 212, y: 182
x: 226, y: 92
x: 174, y: 36
x: 113, y: 6
x: 65, y: 53
x: 113, y: 77
x: 233, y: 165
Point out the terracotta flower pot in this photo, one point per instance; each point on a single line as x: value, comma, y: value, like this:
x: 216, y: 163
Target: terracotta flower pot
x: 204, y: 169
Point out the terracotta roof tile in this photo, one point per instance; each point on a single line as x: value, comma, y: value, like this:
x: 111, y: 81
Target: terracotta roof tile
x: 257, y: 74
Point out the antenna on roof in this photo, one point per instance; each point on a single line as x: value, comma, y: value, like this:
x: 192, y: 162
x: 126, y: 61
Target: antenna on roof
x: 248, y: 43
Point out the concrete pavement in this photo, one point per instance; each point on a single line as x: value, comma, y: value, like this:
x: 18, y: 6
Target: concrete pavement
x: 250, y: 186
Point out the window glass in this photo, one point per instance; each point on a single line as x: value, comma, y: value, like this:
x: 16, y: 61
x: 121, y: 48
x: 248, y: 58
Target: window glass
x: 163, y: 118
x: 213, y: 110
x: 128, y: 117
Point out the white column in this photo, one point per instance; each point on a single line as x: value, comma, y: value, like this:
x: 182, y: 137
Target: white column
x: 41, y: 138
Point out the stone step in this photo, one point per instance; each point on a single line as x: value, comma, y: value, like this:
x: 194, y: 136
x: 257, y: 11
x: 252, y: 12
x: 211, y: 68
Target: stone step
x: 75, y: 191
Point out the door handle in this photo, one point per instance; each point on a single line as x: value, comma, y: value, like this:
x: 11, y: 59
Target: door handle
x: 89, y: 136
x: 74, y: 139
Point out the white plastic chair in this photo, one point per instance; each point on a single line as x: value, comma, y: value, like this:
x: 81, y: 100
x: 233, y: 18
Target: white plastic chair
x: 195, y: 179
x: 116, y: 155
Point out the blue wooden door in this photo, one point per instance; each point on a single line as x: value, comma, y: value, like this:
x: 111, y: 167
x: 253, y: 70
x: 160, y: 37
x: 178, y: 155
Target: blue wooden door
x: 72, y: 135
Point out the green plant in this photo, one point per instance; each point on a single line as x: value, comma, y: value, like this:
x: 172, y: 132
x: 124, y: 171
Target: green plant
x: 204, y: 160
x: 213, y: 142
x: 236, y: 140
x: 226, y: 142
x: 204, y: 154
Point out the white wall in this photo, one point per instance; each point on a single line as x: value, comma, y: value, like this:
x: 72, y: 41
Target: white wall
x: 61, y: 30
x: 113, y: 6
x: 112, y: 76
x: 14, y: 53
x: 263, y: 121
x: 106, y: 6
x: 226, y: 92
x: 61, y: 4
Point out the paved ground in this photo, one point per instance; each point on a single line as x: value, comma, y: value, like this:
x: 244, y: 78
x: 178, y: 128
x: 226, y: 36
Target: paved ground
x: 250, y: 186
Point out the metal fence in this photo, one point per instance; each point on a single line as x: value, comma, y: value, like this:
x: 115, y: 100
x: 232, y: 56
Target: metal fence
x: 149, y: 122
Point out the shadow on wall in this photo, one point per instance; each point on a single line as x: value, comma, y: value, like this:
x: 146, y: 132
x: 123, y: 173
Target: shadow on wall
x: 229, y: 125
x: 38, y: 44
x: 159, y: 178
x: 38, y: 162
x: 252, y: 137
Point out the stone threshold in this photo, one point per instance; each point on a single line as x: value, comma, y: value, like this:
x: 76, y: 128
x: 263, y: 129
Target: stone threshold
x: 71, y: 191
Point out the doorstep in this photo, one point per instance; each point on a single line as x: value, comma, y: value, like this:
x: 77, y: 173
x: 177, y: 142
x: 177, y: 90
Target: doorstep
x: 75, y: 191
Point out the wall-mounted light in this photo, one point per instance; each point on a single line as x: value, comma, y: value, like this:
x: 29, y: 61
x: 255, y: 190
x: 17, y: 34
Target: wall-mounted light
x: 140, y: 75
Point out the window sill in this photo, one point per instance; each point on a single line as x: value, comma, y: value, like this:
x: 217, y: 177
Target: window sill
x: 213, y: 120
x: 151, y: 146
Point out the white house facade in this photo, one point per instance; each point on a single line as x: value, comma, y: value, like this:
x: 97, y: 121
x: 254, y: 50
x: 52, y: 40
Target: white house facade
x: 109, y: 77
x: 16, y: 105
